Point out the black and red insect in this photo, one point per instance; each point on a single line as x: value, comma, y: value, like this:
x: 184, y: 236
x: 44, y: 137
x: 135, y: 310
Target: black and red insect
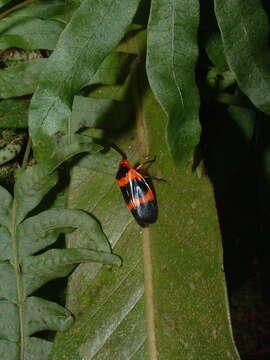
x: 138, y: 195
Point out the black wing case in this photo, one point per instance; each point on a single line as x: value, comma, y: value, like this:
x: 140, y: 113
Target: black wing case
x: 145, y: 208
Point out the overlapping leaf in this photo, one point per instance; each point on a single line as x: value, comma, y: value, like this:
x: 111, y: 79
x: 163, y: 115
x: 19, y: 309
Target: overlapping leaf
x: 20, y: 79
x: 82, y: 47
x: 244, y: 29
x: 172, y: 53
x: 23, y: 269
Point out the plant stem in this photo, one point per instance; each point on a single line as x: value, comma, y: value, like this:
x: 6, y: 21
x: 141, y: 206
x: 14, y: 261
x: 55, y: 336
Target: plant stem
x: 143, y: 149
x: 27, y: 152
x: 20, y: 295
x: 14, y: 8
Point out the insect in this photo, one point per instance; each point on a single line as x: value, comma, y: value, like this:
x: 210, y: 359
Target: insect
x: 137, y: 193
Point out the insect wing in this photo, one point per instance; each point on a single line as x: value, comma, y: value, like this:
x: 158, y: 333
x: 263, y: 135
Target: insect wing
x: 142, y: 201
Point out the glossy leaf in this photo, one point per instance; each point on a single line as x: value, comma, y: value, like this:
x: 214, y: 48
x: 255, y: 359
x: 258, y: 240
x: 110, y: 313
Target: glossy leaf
x: 82, y: 47
x: 172, y: 53
x: 244, y: 29
x: 20, y: 79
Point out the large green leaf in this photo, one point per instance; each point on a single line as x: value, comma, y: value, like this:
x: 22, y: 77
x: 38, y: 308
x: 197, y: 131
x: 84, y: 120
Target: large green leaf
x: 23, y: 269
x: 244, y: 29
x: 29, y: 33
x: 20, y: 79
x: 172, y: 53
x: 82, y: 47
x: 169, y: 299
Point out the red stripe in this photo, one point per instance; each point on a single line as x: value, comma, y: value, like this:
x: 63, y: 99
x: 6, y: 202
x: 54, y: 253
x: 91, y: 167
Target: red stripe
x: 132, y: 174
x: 136, y: 202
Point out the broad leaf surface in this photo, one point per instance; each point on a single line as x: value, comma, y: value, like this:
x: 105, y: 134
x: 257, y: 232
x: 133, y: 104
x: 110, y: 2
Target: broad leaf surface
x: 244, y: 29
x: 20, y: 79
x: 82, y: 47
x: 172, y: 53
x: 186, y: 293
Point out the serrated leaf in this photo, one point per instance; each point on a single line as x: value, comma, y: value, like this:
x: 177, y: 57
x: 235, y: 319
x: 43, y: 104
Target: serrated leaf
x: 80, y: 51
x: 31, y: 187
x: 9, y: 350
x: 45, y: 315
x: 4, y: 243
x: 8, y: 282
x: 22, y: 271
x: 9, y: 321
x: 71, y: 145
x: 6, y: 206
x: 38, y: 349
x: 172, y: 53
x: 21, y: 79
x: 36, y: 229
x: 29, y: 33
x: 14, y: 113
x: 244, y: 29
x: 59, y: 263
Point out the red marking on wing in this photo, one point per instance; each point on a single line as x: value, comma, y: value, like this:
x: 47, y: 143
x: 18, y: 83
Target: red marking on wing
x: 136, y: 202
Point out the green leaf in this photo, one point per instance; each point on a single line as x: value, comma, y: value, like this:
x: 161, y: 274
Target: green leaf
x: 9, y: 321
x: 101, y: 162
x: 172, y: 52
x: 71, y: 145
x: 244, y: 29
x: 98, y: 113
x: 45, y: 315
x: 8, y: 281
x: 4, y: 2
x: 82, y: 47
x: 57, y: 263
x: 4, y: 244
x: 20, y: 79
x: 26, y: 264
x: 14, y: 113
x: 29, y: 33
x: 38, y: 349
x: 245, y: 119
x: 158, y: 302
x: 6, y: 206
x: 215, y: 51
x: 51, y: 9
x: 9, y: 350
x: 37, y: 227
x: 112, y: 70
x: 33, y: 184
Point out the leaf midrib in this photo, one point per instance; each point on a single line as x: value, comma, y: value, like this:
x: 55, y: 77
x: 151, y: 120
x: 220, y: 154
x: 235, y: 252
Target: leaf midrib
x: 16, y: 266
x: 173, y: 52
